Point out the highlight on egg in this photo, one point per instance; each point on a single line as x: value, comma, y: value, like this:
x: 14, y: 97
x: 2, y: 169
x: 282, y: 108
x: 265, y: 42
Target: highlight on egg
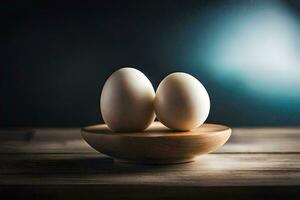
x: 182, y: 102
x: 127, y: 101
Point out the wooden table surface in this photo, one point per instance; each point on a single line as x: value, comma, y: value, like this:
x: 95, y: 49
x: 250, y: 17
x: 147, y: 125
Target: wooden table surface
x: 56, y: 163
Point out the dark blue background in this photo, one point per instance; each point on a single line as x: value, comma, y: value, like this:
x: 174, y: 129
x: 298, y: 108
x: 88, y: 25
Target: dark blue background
x: 56, y: 56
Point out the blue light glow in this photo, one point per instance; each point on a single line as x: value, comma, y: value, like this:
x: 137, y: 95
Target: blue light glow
x: 259, y: 46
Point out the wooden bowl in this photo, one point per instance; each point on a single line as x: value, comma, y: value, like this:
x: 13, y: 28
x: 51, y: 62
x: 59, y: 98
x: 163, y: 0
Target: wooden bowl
x: 157, y: 144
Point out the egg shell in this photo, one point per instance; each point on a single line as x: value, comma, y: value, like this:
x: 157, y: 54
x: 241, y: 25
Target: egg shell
x: 182, y: 103
x: 127, y: 101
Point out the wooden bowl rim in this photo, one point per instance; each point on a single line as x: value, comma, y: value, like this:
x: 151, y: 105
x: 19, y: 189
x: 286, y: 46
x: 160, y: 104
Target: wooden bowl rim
x: 157, y: 129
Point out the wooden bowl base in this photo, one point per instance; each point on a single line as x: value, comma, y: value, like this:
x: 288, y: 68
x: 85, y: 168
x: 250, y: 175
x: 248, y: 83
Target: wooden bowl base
x: 157, y: 145
x: 157, y: 162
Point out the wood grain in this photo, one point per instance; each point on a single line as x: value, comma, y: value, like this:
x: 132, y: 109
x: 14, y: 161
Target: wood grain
x: 208, y: 170
x: 167, y: 146
x: 55, y: 163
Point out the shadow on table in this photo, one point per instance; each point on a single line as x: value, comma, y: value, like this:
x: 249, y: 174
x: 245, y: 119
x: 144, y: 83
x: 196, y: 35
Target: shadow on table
x: 60, y: 164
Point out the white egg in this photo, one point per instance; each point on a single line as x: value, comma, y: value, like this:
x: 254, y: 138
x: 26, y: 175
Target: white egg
x: 181, y: 103
x: 127, y: 101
